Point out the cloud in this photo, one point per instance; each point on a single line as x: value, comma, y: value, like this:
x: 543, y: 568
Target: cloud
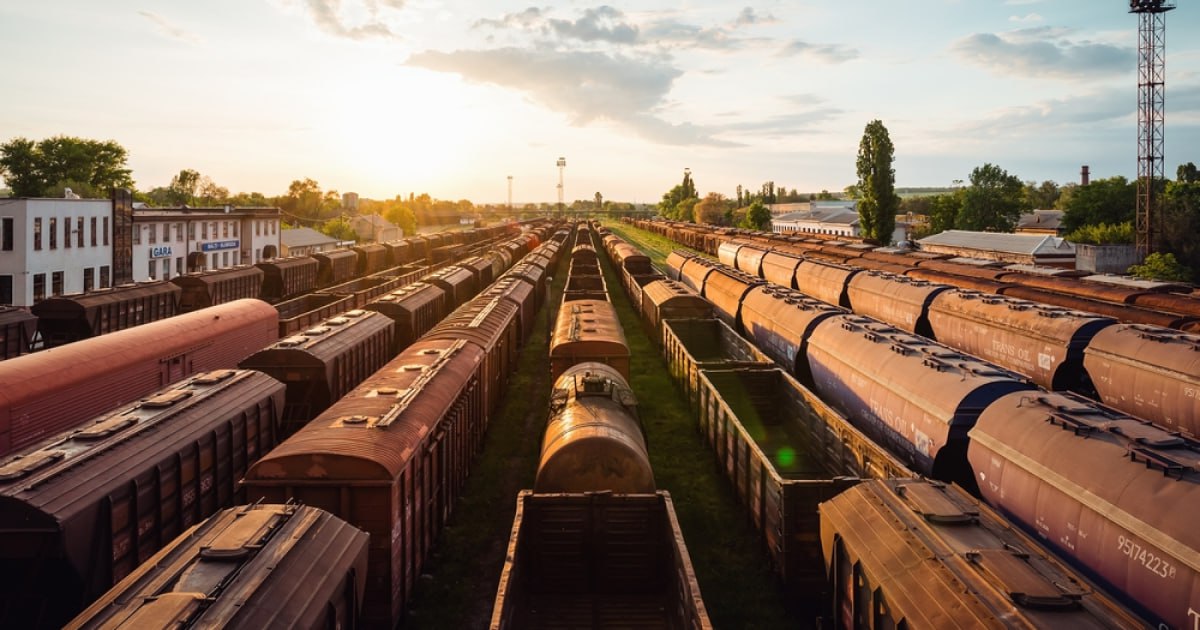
x: 1081, y: 111
x: 748, y: 17
x: 1042, y: 52
x: 329, y: 17
x: 600, y: 24
x: 586, y: 86
x: 1028, y: 18
x: 526, y: 19
x: 825, y: 53
x: 166, y: 28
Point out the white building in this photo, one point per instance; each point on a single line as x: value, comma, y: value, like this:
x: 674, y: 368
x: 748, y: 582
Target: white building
x: 168, y: 242
x: 53, y: 246
x: 827, y: 219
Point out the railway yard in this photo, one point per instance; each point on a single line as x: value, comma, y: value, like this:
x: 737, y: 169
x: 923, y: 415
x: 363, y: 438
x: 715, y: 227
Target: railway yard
x: 636, y: 424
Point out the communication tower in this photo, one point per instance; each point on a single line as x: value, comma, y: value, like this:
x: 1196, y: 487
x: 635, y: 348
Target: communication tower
x: 1152, y: 29
x: 562, y: 164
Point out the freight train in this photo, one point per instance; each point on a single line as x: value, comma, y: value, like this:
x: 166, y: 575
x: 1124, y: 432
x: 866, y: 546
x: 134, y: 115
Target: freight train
x: 1078, y: 476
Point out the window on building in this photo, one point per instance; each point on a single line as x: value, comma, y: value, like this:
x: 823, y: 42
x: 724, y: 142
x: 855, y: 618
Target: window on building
x: 257, y: 228
x: 8, y: 234
x: 215, y: 232
x: 6, y: 289
x: 225, y: 229
x: 191, y: 231
x: 105, y: 235
x: 214, y: 261
x: 153, y: 269
x: 204, y: 230
x: 236, y: 228
x: 79, y: 231
x: 274, y: 224
x: 137, y: 235
x: 93, y: 231
x: 105, y: 276
x: 37, y: 233
x: 67, y: 232
x: 179, y: 266
x: 89, y: 278
x: 39, y: 287
x: 56, y: 283
x: 178, y: 232
x: 166, y: 268
x: 53, y: 232
x: 224, y: 259
x: 152, y: 232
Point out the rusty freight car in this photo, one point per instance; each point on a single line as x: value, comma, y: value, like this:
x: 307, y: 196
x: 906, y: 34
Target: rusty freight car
x: 17, y: 330
x: 209, y: 288
x: 69, y: 318
x: 588, y: 330
x: 1150, y: 372
x: 82, y: 509
x: 245, y: 568
x: 415, y: 308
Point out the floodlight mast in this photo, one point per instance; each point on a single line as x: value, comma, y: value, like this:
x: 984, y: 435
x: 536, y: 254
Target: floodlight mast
x: 1152, y: 28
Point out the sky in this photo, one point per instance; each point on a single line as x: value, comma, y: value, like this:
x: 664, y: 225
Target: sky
x: 453, y: 97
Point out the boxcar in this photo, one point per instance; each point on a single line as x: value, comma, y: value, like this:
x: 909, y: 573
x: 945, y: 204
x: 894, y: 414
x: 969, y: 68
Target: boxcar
x: 556, y: 576
x: 323, y: 363
x: 1152, y: 373
x: 524, y: 296
x: 669, y: 299
x: 81, y: 510
x: 1113, y: 495
x: 68, y: 318
x: 372, y: 258
x: 335, y: 266
x: 588, y: 330
x: 389, y: 458
x: 17, y: 329
x: 250, y: 567
x: 48, y: 392
x: 400, y: 252
x: 458, y: 283
x: 532, y: 274
x: 1044, y: 343
x: 286, y: 278
x: 915, y: 397
x: 209, y: 288
x: 415, y: 308
x: 916, y: 554
x: 479, y: 267
x: 491, y: 324
x: 593, y: 441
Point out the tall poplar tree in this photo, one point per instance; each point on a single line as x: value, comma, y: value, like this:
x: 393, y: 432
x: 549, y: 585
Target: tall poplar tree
x: 878, y: 201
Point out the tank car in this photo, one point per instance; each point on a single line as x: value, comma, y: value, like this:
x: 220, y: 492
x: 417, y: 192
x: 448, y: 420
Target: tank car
x: 915, y: 397
x: 1113, y: 495
x: 82, y: 509
x: 48, y: 392
x: 593, y: 439
x: 914, y: 554
x: 249, y: 567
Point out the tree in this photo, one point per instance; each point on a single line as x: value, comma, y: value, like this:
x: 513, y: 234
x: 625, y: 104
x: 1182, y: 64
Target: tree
x: 1161, y: 266
x: 678, y: 202
x: 1179, y: 218
x: 1041, y: 196
x: 739, y: 197
x: 993, y: 202
x: 91, y: 168
x: 339, y: 228
x: 599, y: 201
x: 944, y: 210
x: 1109, y: 200
x: 1103, y: 234
x: 758, y: 217
x: 306, y: 201
x: 876, y: 184
x: 711, y: 209
x: 182, y: 188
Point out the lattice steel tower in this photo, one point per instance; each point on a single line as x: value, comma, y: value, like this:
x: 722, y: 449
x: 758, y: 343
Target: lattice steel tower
x: 1152, y: 29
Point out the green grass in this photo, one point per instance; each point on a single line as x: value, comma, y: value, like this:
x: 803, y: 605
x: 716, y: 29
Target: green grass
x: 655, y: 246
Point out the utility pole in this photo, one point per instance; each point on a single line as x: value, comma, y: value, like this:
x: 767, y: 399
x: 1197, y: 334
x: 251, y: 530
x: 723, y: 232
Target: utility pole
x: 1152, y: 28
x: 562, y: 165
x: 510, y: 195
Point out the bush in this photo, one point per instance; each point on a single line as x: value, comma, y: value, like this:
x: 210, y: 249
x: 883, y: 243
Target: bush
x: 1103, y: 234
x: 1163, y: 267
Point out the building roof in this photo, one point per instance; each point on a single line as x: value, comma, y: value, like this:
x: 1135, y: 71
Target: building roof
x: 1041, y: 220
x: 1025, y: 244
x: 374, y: 219
x: 304, y: 237
x: 840, y: 215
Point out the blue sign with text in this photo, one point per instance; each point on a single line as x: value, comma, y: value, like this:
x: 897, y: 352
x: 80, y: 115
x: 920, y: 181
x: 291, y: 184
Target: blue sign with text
x: 162, y: 251
x: 216, y: 245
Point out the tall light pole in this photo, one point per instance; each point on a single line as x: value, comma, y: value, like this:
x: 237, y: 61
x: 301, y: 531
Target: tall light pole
x: 562, y: 164
x: 1152, y: 28
x: 510, y: 194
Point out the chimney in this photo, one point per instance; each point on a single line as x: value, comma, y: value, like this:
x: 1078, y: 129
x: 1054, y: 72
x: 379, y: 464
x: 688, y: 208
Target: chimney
x: 1083, y: 176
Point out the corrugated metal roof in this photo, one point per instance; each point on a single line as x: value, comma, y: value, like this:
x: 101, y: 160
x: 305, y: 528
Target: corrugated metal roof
x: 1027, y: 244
x: 1041, y: 220
x: 304, y: 237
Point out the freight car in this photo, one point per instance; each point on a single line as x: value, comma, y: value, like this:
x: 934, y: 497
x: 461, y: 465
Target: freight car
x: 1152, y: 373
x: 668, y: 299
x: 335, y: 266
x: 17, y: 330
x: 458, y: 283
x: 414, y: 308
x: 389, y: 458
x: 917, y: 554
x: 780, y: 322
x: 69, y: 318
x: 917, y: 398
x: 593, y: 438
x: 48, y: 392
x: 287, y: 278
x: 1114, y: 495
x: 323, y: 363
x: 81, y: 510
x: 490, y: 323
x: 250, y: 567
x: 588, y: 330
x: 209, y: 288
